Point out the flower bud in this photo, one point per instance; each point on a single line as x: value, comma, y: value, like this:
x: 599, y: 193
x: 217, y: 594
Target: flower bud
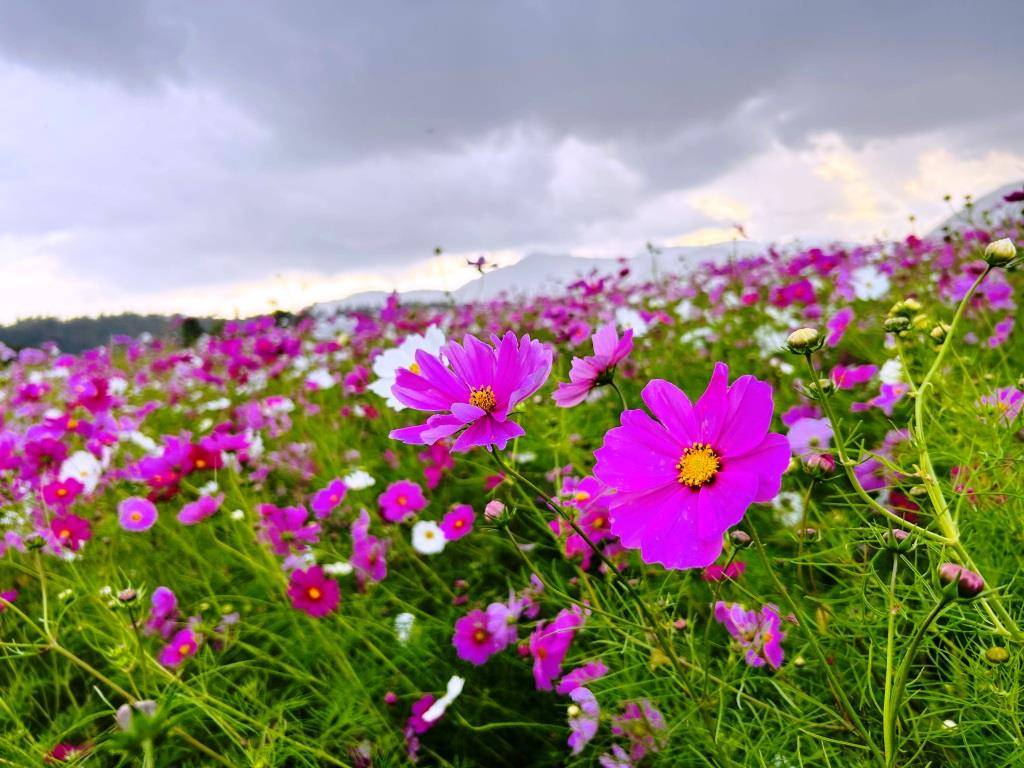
x: 938, y: 333
x: 826, y: 386
x: 963, y: 582
x: 820, y: 464
x: 997, y: 655
x: 740, y: 539
x: 494, y: 509
x: 897, y: 324
x: 1001, y: 252
x: 804, y: 341
x: 127, y: 595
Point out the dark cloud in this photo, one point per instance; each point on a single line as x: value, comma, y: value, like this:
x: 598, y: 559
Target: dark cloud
x: 196, y: 142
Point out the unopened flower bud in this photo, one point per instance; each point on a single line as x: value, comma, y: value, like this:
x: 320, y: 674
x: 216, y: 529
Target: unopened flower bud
x: 820, y: 464
x: 997, y: 655
x: 897, y: 324
x: 1001, y: 252
x: 740, y: 539
x: 804, y: 341
x: 938, y: 333
x: 494, y: 509
x: 897, y: 540
x: 964, y: 583
x: 826, y: 386
x: 127, y: 595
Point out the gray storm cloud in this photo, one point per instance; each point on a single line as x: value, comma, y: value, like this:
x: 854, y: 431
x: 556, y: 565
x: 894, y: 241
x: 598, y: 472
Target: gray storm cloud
x: 167, y: 145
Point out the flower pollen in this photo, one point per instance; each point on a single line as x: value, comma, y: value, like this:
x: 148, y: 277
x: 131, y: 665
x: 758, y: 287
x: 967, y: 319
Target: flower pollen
x: 483, y: 398
x: 698, y: 465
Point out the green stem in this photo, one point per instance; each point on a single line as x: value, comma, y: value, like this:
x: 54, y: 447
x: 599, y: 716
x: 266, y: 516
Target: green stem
x: 890, y: 655
x: 900, y: 683
x: 837, y: 688
x: 622, y: 398
x: 847, y: 464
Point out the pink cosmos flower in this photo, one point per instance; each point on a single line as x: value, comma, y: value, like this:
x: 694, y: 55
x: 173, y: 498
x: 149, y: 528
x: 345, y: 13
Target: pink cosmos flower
x: 475, y: 396
x: 837, y: 326
x: 583, y: 720
x: 758, y: 632
x: 163, y: 613
x: 458, y: 522
x: 200, y: 509
x: 810, y: 436
x: 473, y: 640
x: 313, y: 592
x: 580, y: 676
x: 62, y: 492
x: 436, y: 460
x: 1007, y: 402
x: 7, y: 596
x: 368, y: 552
x: 643, y: 725
x: 70, y: 531
x: 136, y: 514
x: 327, y: 499
x: 848, y: 377
x: 686, y: 478
x: 287, y: 528
x: 401, y: 500
x: 731, y: 572
x: 590, y: 372
x: 549, y: 643
x: 182, y: 646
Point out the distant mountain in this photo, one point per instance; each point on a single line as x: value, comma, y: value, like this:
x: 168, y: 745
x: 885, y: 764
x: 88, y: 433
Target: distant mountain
x: 80, y: 333
x: 540, y: 273
x: 987, y: 204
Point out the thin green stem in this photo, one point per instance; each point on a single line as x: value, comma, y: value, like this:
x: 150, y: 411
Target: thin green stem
x: 900, y: 682
x: 890, y: 657
x: 837, y: 687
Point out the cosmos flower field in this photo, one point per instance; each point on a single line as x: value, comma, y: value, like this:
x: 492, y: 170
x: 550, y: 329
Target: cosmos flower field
x: 766, y: 514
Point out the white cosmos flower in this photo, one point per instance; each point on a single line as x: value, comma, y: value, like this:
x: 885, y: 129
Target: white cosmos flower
x: 403, y: 627
x: 386, y: 365
x: 440, y: 706
x: 789, y: 508
x: 358, y: 480
x: 338, y: 568
x: 869, y: 283
x: 321, y: 378
x: 891, y: 371
x: 627, y: 318
x: 427, y: 537
x: 84, y: 467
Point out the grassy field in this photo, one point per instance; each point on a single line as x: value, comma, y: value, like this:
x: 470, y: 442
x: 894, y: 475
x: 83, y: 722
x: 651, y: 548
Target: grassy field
x: 222, y: 555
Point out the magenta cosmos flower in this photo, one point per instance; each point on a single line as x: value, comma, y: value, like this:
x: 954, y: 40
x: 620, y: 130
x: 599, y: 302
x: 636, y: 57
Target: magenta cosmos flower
x: 70, y: 531
x: 136, y: 514
x: 182, y: 646
x: 327, y: 499
x: 458, y: 522
x: 473, y: 394
x: 757, y: 632
x: 550, y: 642
x: 313, y: 592
x: 401, y: 500
x: 199, y: 510
x: 597, y: 369
x: 682, y: 480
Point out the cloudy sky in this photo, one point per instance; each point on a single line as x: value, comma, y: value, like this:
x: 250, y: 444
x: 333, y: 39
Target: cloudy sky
x: 223, y: 157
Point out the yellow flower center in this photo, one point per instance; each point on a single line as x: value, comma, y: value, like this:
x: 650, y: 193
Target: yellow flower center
x: 200, y: 464
x: 459, y: 523
x: 401, y: 501
x: 62, y: 492
x: 415, y: 368
x: 479, y: 635
x: 135, y: 516
x: 72, y: 423
x: 483, y: 398
x: 64, y: 533
x: 698, y: 465
x: 185, y: 648
x: 582, y: 496
x: 313, y: 593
